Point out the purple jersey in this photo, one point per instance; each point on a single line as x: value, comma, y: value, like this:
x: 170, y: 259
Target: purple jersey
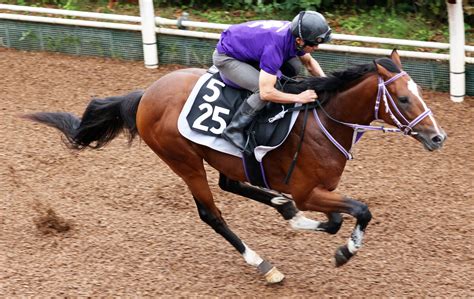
x: 268, y: 42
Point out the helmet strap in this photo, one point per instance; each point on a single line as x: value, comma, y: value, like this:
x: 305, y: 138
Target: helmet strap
x: 300, y: 20
x: 299, y: 46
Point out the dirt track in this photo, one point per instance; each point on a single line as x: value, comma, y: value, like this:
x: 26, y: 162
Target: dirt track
x: 134, y: 229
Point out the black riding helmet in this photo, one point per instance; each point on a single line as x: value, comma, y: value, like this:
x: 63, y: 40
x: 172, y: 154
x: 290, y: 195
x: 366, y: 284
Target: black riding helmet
x: 311, y: 27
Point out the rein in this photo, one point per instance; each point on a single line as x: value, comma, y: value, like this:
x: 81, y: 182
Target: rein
x: 382, y: 94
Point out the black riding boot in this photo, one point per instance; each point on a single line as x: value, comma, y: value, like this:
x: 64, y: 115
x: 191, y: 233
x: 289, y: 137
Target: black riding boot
x: 234, y: 132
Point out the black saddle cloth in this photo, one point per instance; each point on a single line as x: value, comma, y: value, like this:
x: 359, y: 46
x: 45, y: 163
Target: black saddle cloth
x: 216, y: 103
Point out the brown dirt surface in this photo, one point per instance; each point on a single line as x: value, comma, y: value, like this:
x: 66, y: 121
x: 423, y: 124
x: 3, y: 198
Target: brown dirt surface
x: 119, y: 222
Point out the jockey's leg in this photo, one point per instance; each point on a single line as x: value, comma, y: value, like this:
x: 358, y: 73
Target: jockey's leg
x: 292, y: 67
x: 245, y: 76
x: 283, y: 204
x: 234, y: 132
x: 240, y: 73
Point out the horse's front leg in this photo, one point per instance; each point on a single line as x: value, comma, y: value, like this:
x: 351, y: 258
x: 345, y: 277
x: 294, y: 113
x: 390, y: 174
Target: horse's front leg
x: 284, y: 205
x: 322, y: 200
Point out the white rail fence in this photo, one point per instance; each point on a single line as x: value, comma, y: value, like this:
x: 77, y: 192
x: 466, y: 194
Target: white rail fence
x: 148, y: 24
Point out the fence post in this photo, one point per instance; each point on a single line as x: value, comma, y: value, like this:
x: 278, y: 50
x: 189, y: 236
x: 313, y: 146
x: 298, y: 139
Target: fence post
x: 150, y: 51
x: 457, y: 76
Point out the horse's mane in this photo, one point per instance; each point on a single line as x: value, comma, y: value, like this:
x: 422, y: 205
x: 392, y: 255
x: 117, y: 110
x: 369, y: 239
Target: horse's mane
x: 338, y: 81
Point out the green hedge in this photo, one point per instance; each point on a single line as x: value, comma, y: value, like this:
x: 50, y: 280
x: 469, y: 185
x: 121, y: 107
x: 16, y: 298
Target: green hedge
x: 433, y: 9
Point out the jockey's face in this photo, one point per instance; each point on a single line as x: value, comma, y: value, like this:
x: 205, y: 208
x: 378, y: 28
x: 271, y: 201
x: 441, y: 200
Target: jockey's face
x: 310, y: 49
x: 305, y: 47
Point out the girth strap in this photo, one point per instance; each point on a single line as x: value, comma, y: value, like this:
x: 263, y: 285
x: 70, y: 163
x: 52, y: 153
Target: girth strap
x: 303, y: 129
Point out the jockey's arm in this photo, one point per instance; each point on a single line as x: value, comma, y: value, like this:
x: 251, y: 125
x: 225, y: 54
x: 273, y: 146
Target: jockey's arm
x: 268, y: 92
x: 312, y: 65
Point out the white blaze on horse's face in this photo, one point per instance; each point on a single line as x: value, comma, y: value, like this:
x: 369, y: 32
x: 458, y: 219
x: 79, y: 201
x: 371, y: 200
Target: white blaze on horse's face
x: 429, y: 133
x: 413, y: 88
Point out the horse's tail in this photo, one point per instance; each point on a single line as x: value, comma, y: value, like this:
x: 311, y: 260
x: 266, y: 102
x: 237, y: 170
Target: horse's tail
x: 102, y: 121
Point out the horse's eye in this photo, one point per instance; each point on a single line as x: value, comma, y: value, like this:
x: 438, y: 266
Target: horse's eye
x: 403, y: 100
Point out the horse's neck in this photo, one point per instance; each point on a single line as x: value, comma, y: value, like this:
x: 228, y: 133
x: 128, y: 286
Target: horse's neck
x: 355, y: 104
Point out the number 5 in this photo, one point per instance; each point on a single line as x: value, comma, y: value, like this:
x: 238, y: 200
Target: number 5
x: 215, y: 90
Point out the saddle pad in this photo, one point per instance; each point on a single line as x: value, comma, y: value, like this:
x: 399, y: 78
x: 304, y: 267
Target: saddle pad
x: 202, y: 120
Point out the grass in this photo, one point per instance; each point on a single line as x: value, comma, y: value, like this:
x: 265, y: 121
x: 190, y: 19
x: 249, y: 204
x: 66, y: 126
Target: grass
x: 377, y: 21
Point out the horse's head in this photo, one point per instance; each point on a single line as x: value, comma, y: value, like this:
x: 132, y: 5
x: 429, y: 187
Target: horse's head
x: 401, y: 104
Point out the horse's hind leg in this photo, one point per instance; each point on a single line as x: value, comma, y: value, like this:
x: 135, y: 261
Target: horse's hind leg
x: 284, y: 205
x: 193, y: 173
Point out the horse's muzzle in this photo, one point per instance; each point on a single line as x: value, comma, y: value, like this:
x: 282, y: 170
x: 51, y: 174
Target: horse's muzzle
x: 431, y: 140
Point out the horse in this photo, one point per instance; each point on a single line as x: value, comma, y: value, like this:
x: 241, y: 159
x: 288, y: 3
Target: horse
x: 349, y: 101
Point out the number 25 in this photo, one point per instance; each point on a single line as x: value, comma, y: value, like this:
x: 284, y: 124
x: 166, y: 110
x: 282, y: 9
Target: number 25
x: 215, y: 117
x: 210, y: 111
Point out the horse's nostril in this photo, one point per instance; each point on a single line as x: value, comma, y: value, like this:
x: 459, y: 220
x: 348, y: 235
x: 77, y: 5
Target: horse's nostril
x: 437, y: 139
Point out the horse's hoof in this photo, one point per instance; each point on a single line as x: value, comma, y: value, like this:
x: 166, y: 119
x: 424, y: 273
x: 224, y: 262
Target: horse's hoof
x: 271, y: 274
x: 274, y: 276
x: 342, y: 255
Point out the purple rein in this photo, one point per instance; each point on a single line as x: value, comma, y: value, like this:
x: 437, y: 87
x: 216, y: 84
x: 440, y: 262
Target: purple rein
x: 382, y: 93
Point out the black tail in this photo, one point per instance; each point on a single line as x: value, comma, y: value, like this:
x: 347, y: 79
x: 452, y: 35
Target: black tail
x: 102, y: 121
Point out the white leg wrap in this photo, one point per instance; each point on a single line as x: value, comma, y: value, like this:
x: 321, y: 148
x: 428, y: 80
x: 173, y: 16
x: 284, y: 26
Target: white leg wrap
x: 271, y: 273
x: 280, y: 200
x: 355, y: 242
x: 301, y: 222
x: 251, y: 257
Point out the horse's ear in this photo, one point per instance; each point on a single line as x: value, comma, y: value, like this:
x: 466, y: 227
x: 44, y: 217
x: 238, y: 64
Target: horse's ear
x: 381, y: 70
x: 396, y: 58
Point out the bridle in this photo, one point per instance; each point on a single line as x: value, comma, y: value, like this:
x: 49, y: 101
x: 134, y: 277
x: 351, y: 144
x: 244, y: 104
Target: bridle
x: 382, y: 94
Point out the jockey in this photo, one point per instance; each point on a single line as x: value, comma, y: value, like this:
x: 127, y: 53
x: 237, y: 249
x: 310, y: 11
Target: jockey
x: 274, y: 47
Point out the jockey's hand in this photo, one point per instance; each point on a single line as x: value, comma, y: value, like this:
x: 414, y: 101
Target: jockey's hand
x: 306, y: 96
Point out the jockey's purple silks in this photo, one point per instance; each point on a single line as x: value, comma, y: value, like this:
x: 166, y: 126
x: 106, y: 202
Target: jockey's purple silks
x: 268, y: 42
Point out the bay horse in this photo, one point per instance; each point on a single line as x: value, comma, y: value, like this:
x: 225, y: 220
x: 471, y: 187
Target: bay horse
x: 351, y: 100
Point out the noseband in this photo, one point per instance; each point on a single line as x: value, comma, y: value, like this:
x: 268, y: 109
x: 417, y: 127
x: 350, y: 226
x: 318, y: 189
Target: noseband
x: 382, y: 93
